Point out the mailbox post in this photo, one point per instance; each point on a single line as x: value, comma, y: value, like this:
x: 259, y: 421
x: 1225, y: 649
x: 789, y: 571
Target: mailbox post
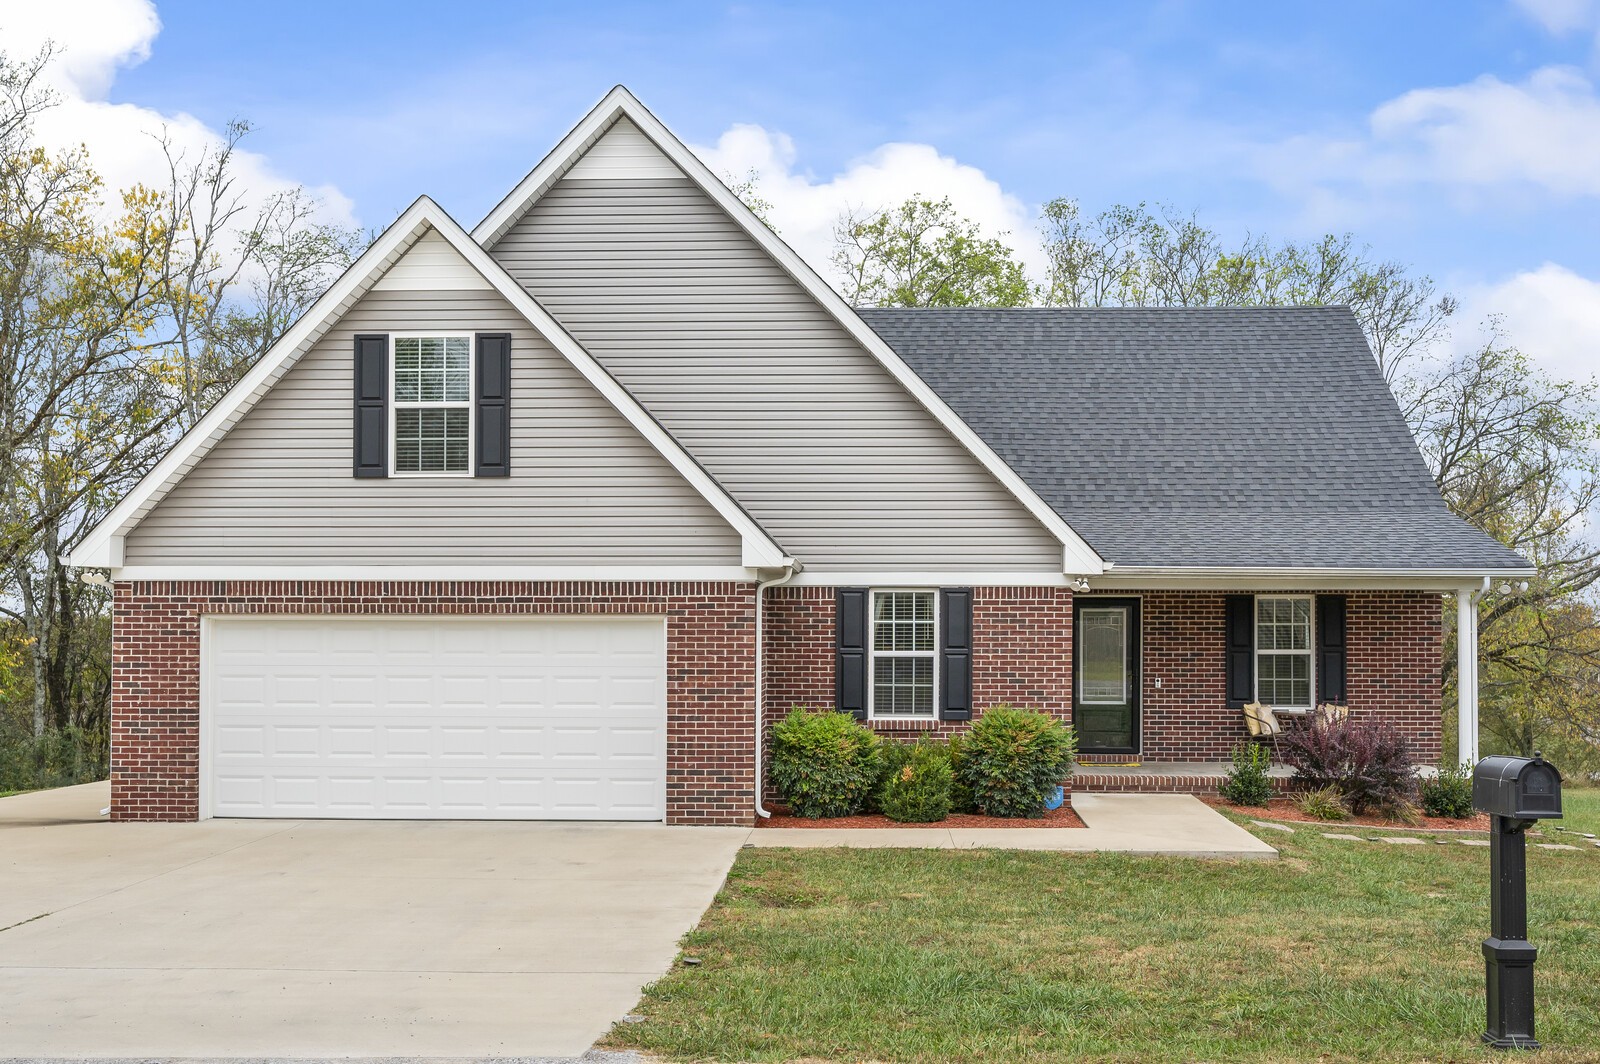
x: 1515, y: 792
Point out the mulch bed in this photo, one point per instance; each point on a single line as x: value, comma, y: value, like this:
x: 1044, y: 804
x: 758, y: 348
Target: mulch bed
x: 1284, y: 809
x: 1053, y: 818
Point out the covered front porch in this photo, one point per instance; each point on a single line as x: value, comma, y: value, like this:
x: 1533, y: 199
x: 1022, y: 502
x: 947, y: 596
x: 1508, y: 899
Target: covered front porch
x: 1162, y: 674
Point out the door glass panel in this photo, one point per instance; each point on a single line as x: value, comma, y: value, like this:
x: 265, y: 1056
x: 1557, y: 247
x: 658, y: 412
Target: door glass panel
x: 1103, y: 644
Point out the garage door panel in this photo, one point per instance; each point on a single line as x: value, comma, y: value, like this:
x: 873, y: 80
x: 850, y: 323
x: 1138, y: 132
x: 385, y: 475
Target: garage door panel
x: 436, y: 718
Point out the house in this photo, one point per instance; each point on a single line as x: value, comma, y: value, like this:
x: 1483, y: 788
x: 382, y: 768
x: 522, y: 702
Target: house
x: 543, y: 521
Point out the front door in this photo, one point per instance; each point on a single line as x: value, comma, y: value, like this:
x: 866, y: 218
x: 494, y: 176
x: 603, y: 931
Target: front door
x: 1105, y: 703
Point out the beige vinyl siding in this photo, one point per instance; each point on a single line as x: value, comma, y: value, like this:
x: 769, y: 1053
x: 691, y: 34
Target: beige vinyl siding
x: 431, y: 265
x: 584, y: 489
x: 761, y: 384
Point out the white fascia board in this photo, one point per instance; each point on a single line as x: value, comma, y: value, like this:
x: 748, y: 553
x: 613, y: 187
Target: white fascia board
x: 758, y: 548
x: 1078, y: 558
x: 928, y: 578
x: 677, y: 573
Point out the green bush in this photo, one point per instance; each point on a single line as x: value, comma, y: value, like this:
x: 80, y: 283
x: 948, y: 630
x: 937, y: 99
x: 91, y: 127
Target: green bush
x: 1247, y: 782
x: 916, y: 786
x: 1449, y: 794
x: 1014, y: 759
x: 961, y: 800
x: 824, y: 763
x: 1324, y: 803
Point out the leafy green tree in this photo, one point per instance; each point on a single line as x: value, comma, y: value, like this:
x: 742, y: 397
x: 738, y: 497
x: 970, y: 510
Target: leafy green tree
x: 1131, y: 256
x: 120, y: 324
x: 922, y: 253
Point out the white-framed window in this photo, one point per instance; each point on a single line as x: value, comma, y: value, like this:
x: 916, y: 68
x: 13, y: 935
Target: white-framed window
x: 430, y: 415
x: 904, y: 642
x: 1285, y: 664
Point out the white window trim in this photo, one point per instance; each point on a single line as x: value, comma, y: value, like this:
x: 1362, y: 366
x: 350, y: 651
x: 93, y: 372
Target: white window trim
x: 873, y: 653
x: 467, y: 405
x: 1310, y: 652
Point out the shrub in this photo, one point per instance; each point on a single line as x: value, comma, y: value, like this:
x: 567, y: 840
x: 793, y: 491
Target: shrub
x: 1014, y: 759
x: 824, y: 763
x: 916, y: 787
x: 961, y: 800
x: 1247, y: 782
x: 1324, y: 803
x: 1404, y: 811
x: 1369, y: 763
x: 1449, y: 794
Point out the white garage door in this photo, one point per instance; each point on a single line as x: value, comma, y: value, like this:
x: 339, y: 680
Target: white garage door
x: 435, y: 718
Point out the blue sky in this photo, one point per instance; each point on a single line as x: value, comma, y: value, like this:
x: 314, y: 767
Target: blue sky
x: 1460, y: 137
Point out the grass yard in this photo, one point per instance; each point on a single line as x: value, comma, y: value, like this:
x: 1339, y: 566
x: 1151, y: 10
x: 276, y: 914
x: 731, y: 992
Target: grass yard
x: 1337, y: 951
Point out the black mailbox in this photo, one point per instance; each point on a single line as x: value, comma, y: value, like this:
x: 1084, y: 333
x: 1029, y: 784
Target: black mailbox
x: 1520, y: 788
x: 1516, y: 792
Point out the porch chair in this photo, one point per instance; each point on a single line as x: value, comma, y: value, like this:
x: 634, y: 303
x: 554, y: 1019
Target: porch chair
x: 1263, y: 724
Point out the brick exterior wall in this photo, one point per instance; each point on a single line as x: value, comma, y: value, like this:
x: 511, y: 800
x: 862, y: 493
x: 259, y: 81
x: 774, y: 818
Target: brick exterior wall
x: 1021, y: 652
x: 1022, y: 646
x: 155, y: 695
x: 1392, y: 669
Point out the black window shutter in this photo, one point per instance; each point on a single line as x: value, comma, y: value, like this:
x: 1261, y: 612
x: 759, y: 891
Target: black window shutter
x: 371, y: 423
x: 850, y: 671
x: 493, y: 406
x: 1330, y: 649
x: 1241, y: 625
x: 955, y: 653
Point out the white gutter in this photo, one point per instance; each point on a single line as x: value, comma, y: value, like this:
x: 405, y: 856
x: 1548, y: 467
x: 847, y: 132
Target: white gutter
x: 790, y: 568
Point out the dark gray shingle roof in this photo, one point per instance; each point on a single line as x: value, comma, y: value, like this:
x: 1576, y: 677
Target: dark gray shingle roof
x: 1259, y: 437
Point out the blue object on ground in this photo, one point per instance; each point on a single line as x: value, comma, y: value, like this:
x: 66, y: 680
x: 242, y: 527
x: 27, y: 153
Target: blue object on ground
x: 1056, y: 800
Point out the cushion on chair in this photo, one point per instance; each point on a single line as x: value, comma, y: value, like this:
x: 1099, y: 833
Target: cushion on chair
x: 1261, y: 720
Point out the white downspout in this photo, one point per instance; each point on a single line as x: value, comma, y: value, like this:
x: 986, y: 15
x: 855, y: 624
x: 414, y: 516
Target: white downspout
x: 790, y: 568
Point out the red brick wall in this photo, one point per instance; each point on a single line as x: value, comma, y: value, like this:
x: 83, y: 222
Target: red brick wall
x: 155, y: 747
x: 1021, y: 651
x: 1392, y: 669
x: 1022, y: 640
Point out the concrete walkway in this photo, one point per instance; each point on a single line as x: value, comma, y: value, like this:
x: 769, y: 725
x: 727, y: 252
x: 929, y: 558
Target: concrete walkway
x: 1155, y: 825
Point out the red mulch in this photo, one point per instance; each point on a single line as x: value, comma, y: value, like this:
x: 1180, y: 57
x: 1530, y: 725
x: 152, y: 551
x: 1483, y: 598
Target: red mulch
x: 1053, y: 818
x: 1284, y: 809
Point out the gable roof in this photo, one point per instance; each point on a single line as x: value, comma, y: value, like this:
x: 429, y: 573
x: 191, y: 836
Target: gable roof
x: 424, y: 219
x: 1238, y: 438
x: 1078, y: 557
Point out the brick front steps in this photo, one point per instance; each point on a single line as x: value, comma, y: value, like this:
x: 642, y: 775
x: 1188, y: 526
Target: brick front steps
x: 1160, y: 777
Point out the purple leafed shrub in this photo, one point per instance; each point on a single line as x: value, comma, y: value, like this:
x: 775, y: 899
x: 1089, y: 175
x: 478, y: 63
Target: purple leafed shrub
x: 1368, y: 763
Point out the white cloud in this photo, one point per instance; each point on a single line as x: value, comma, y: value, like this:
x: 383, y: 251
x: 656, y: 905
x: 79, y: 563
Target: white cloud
x: 1551, y: 314
x: 1476, y: 142
x: 93, y: 40
x: 1544, y: 131
x: 1562, y: 16
x: 805, y: 207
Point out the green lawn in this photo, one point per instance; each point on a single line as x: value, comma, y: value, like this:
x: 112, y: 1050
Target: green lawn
x: 1337, y: 951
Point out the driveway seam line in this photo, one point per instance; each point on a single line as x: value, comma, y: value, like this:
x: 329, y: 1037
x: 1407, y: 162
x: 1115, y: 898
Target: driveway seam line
x: 165, y: 872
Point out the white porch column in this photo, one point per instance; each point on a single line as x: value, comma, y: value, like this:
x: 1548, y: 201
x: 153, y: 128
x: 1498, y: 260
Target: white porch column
x: 1467, y: 675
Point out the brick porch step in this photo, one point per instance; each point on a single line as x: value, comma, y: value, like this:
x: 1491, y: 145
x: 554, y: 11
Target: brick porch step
x: 1161, y: 777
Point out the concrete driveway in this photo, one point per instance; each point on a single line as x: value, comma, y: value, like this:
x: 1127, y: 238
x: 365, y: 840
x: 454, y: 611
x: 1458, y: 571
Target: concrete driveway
x: 235, y: 938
